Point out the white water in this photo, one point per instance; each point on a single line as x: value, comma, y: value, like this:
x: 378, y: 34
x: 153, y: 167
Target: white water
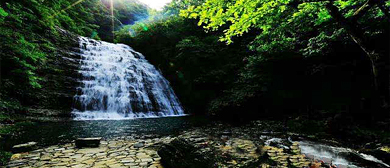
x: 337, y: 156
x: 119, y: 83
x: 334, y: 155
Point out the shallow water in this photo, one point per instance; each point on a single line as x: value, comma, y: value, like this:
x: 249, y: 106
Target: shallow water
x: 58, y: 132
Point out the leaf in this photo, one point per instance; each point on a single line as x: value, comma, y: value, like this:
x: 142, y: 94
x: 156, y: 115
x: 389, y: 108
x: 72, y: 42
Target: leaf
x: 3, y: 13
x: 193, y: 15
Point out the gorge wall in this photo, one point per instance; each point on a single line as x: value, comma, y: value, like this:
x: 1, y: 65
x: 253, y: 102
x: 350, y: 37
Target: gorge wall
x: 60, y: 79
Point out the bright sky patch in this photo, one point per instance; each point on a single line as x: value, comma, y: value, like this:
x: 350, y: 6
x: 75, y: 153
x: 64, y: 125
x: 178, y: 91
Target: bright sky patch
x: 156, y: 4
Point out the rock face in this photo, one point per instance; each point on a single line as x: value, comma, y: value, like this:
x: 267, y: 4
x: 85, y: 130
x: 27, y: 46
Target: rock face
x: 182, y: 154
x: 60, y: 80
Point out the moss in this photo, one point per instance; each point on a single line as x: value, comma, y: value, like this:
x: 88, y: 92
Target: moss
x: 15, y: 128
x: 4, y: 157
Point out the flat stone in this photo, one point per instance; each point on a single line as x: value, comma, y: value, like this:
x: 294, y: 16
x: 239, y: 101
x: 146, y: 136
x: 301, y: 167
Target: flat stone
x: 138, y: 145
x: 68, y: 151
x: 16, y: 156
x: 79, y: 166
x: 147, y: 160
x: 88, y: 142
x: 120, y: 157
x: 45, y: 157
x: 143, y: 164
x: 89, y: 161
x: 91, y: 150
x: 24, y: 147
x: 16, y: 164
x: 59, y: 149
x: 127, y: 161
x: 116, y: 166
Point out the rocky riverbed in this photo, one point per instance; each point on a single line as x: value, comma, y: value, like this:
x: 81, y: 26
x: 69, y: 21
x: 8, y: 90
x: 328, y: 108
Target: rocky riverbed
x: 195, y: 148
x: 257, y: 144
x: 112, y: 153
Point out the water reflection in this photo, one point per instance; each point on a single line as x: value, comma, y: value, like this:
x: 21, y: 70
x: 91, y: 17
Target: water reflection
x: 57, y: 132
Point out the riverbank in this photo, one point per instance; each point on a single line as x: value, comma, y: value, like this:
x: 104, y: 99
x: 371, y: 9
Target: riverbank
x: 206, y: 138
x: 217, y: 146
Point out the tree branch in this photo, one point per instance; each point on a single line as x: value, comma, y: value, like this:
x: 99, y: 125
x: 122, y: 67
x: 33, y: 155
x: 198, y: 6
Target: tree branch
x: 362, y: 10
x: 357, y: 36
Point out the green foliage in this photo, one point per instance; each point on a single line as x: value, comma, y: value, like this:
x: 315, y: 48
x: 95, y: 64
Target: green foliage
x: 29, y: 30
x: 283, y: 30
x: 277, y: 72
x: 3, y: 14
x: 283, y: 24
x: 9, y: 105
x: 4, y: 157
x: 197, y: 65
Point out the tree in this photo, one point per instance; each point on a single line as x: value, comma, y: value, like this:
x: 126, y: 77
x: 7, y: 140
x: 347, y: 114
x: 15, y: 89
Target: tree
x: 292, y: 24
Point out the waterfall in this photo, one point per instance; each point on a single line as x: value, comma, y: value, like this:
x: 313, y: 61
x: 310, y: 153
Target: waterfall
x: 119, y: 83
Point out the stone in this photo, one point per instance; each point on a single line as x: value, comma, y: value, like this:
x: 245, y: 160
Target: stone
x: 127, y: 160
x: 147, y: 160
x: 16, y: 164
x: 90, y: 151
x: 180, y: 153
x: 88, y: 142
x: 24, y: 147
x: 59, y: 149
x: 79, y: 166
x: 138, y: 145
x: 143, y: 164
x: 45, y: 157
x: 16, y: 156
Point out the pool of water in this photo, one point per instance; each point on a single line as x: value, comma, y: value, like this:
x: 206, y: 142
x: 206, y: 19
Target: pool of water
x: 60, y: 132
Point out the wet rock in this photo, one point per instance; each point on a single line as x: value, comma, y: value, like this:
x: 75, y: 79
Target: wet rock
x: 356, y: 158
x: 227, y: 133
x: 88, y: 142
x: 379, y: 154
x: 16, y: 156
x: 24, y: 147
x: 138, y: 145
x: 182, y: 154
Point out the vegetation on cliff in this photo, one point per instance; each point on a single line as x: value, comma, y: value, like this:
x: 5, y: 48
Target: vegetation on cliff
x: 32, y: 42
x: 313, y: 58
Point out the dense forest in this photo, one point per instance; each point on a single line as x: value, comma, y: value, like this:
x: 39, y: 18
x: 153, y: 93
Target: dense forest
x: 322, y: 62
x: 271, y: 57
x: 222, y: 58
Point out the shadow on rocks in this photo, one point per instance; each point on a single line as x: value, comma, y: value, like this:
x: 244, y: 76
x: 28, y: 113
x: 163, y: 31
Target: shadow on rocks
x: 182, y: 154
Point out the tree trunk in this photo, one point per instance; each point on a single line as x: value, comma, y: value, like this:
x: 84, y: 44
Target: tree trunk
x: 357, y: 37
x: 351, y: 26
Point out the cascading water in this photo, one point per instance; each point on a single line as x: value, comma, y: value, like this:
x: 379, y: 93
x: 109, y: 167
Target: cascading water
x: 119, y: 83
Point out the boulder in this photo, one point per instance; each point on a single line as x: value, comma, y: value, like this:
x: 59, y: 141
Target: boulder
x: 24, y: 147
x: 88, y: 142
x: 180, y: 153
